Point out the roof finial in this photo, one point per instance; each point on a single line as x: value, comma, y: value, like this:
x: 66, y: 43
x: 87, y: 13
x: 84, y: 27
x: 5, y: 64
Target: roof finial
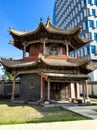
x: 9, y: 29
x: 48, y: 19
x: 40, y: 19
x: 26, y: 30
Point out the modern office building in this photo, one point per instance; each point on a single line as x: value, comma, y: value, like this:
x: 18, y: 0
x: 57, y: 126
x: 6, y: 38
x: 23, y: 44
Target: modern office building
x: 71, y: 13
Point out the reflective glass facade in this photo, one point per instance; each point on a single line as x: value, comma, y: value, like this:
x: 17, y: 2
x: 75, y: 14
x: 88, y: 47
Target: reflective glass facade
x: 71, y: 13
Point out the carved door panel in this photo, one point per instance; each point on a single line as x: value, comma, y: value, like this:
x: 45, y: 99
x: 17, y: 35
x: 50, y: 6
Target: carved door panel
x: 59, y: 91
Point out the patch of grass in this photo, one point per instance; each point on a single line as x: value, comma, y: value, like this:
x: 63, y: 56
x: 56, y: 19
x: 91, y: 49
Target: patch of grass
x: 95, y: 110
x: 22, y: 113
x: 94, y: 101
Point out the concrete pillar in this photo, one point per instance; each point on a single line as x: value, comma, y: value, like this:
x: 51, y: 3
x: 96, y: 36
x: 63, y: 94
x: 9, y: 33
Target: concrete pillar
x: 13, y: 87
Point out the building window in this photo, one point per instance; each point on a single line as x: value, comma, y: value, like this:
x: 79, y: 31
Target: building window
x: 82, y: 2
x: 79, y: 7
x: 81, y: 16
x: 95, y: 2
x: 78, y: 53
x: 93, y: 49
x: 37, y: 47
x: 93, y: 12
x: 85, y: 12
x: 86, y: 35
x: 95, y: 36
x: 90, y: 35
x: 89, y: 1
x: 76, y: 10
x: 91, y: 23
x: 84, y: 27
x: 74, y: 2
x: 75, y: 22
x: 86, y: 24
x: 85, y: 51
x: 82, y: 52
x: 88, y: 49
x: 78, y: 18
x: 55, y: 50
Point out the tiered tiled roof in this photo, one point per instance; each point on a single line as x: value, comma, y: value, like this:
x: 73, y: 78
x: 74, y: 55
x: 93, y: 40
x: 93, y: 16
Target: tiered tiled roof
x: 43, y: 30
x: 53, y: 35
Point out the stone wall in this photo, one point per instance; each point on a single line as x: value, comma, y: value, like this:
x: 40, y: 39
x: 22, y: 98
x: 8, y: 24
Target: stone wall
x: 30, y: 87
x: 92, y: 88
x: 6, y: 88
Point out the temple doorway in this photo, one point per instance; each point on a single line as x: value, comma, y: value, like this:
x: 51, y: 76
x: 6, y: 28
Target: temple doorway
x: 60, y: 91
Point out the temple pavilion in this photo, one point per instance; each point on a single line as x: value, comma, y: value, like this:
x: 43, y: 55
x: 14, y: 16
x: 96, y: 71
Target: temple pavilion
x: 48, y: 72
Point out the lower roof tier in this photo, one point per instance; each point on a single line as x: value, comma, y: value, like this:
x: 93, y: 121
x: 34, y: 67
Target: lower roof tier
x: 82, y: 64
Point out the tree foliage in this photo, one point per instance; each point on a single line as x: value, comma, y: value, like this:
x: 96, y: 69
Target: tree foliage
x: 7, y: 74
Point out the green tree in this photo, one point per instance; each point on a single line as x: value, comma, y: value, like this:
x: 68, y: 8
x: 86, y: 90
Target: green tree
x: 7, y: 74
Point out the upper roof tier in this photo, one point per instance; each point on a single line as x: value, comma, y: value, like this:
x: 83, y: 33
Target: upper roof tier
x: 46, y: 32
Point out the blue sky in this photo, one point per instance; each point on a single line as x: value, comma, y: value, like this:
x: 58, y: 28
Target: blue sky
x: 21, y: 15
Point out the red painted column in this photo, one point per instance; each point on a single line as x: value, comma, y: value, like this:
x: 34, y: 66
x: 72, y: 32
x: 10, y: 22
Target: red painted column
x: 41, y: 89
x: 44, y: 51
x: 86, y: 88
x: 24, y: 50
x: 13, y: 87
x: 75, y: 56
x: 48, y: 90
x: 84, y: 97
x: 67, y: 50
x: 76, y: 90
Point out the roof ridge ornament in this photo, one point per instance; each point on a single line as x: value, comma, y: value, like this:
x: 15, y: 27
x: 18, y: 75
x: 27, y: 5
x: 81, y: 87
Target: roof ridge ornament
x: 10, y: 28
x: 40, y: 19
x: 26, y: 30
x: 48, y: 19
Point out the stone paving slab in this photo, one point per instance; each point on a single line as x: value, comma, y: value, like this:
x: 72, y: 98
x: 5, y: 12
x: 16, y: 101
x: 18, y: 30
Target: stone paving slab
x: 71, y: 125
x: 83, y: 110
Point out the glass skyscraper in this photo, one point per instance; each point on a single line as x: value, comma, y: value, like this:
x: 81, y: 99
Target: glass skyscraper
x: 71, y: 13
